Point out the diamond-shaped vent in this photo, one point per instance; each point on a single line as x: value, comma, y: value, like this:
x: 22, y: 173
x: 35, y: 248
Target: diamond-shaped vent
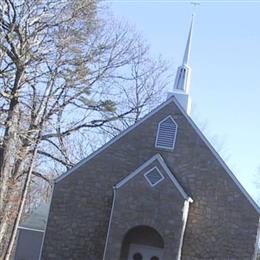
x: 166, y: 134
x: 154, y: 176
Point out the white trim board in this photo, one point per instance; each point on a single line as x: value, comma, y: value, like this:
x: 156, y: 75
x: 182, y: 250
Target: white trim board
x: 159, y: 158
x: 113, y: 140
x: 31, y: 229
x: 185, y: 213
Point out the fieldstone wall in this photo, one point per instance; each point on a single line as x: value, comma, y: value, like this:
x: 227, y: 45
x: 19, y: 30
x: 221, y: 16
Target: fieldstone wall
x: 222, y: 223
x: 139, y: 204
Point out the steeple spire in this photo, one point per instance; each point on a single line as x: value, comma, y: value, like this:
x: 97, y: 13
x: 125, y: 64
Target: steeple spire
x: 188, y: 45
x: 182, y: 80
x: 183, y: 75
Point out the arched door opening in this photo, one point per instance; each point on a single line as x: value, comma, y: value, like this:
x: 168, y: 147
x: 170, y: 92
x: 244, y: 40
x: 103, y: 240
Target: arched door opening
x: 142, y: 243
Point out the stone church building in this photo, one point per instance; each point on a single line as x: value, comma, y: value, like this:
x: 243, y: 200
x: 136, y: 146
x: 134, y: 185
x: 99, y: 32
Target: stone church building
x: 157, y: 191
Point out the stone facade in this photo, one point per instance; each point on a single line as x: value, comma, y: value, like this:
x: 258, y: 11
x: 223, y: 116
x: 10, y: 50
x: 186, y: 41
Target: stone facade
x: 222, y: 221
x: 160, y: 207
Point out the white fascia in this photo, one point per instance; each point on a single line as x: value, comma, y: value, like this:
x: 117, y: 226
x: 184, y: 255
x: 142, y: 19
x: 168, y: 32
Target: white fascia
x: 185, y: 213
x: 30, y: 229
x: 159, y: 158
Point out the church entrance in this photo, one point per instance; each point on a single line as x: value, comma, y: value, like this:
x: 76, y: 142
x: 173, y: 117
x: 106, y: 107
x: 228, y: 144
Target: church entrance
x: 142, y: 243
x: 141, y: 252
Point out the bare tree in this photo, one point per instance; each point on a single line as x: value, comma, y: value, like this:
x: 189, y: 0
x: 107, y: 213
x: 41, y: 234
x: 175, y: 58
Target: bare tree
x: 64, y: 71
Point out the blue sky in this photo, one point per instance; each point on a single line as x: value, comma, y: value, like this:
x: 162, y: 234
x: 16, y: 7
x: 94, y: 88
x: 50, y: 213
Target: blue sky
x: 225, y: 61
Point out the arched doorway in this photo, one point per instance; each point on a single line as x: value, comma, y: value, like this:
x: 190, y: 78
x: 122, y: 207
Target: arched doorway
x: 142, y: 243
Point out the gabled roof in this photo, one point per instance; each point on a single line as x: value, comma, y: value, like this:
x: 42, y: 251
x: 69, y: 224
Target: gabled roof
x: 158, y: 158
x: 113, y: 140
x: 197, y: 130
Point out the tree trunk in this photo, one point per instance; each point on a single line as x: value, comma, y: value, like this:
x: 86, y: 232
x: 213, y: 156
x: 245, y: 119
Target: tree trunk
x: 10, y: 142
x: 9, y: 187
x: 7, y: 219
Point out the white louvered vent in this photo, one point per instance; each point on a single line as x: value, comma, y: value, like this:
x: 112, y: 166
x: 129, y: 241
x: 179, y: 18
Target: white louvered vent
x: 154, y: 176
x: 166, y: 133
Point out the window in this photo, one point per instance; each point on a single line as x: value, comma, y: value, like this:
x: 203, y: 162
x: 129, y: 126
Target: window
x: 166, y: 133
x: 154, y: 176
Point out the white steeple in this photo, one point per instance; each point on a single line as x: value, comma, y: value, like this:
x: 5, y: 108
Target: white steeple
x: 183, y: 75
x: 188, y: 45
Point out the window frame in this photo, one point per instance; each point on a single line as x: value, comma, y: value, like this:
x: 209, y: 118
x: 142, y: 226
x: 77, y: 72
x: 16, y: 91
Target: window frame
x: 148, y: 180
